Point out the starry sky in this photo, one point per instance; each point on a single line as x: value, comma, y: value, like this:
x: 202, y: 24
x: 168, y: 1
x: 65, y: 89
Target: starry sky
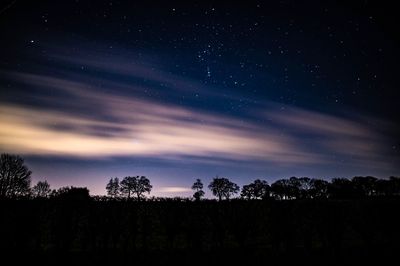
x: 96, y: 89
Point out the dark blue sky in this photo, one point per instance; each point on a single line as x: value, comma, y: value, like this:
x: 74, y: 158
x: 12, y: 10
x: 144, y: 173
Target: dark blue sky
x: 95, y: 89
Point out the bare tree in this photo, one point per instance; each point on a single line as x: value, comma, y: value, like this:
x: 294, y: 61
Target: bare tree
x: 198, y: 188
x: 223, y: 188
x: 113, y: 187
x: 135, y: 185
x: 15, y: 177
x: 41, y: 189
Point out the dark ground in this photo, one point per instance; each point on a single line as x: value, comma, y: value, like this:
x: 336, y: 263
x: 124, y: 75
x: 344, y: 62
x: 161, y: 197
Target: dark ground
x: 320, y: 232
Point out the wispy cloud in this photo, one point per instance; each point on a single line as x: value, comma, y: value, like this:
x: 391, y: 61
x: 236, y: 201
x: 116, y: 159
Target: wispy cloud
x: 69, y: 115
x: 174, y: 190
x: 133, y: 127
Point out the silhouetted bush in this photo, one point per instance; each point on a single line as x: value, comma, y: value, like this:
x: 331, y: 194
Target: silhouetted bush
x: 71, y: 193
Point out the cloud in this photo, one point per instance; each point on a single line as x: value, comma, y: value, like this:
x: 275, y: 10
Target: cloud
x: 140, y: 128
x: 173, y: 190
x: 343, y: 137
x: 86, y: 116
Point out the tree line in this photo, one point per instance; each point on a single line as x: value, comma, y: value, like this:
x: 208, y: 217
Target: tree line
x: 303, y: 188
x: 15, y: 181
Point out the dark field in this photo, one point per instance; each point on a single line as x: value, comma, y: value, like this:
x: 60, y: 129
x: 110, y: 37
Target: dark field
x: 323, y: 232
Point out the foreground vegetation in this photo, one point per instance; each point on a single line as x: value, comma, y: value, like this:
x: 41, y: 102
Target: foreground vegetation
x: 297, y: 219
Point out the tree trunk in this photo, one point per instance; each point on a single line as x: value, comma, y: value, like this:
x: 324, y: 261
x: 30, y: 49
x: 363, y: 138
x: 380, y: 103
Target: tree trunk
x: 138, y: 196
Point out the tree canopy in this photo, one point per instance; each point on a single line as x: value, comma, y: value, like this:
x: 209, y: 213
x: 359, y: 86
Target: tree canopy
x: 135, y: 185
x: 15, y: 177
x: 198, y: 188
x: 113, y: 187
x: 222, y: 187
x: 41, y: 189
x: 257, y: 190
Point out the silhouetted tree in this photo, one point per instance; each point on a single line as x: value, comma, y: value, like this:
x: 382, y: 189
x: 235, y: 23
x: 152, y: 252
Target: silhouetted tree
x: 71, y: 193
x: 364, y: 186
x: 394, y: 183
x: 247, y: 192
x: 341, y: 188
x: 113, y: 187
x: 15, y: 177
x: 304, y: 187
x: 198, y: 188
x: 257, y: 190
x: 388, y: 187
x: 223, y: 188
x: 383, y: 187
x: 318, y: 189
x: 294, y: 187
x: 135, y: 185
x: 41, y: 189
x: 281, y: 189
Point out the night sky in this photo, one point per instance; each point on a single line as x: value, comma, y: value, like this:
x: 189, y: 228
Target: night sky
x: 98, y: 89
